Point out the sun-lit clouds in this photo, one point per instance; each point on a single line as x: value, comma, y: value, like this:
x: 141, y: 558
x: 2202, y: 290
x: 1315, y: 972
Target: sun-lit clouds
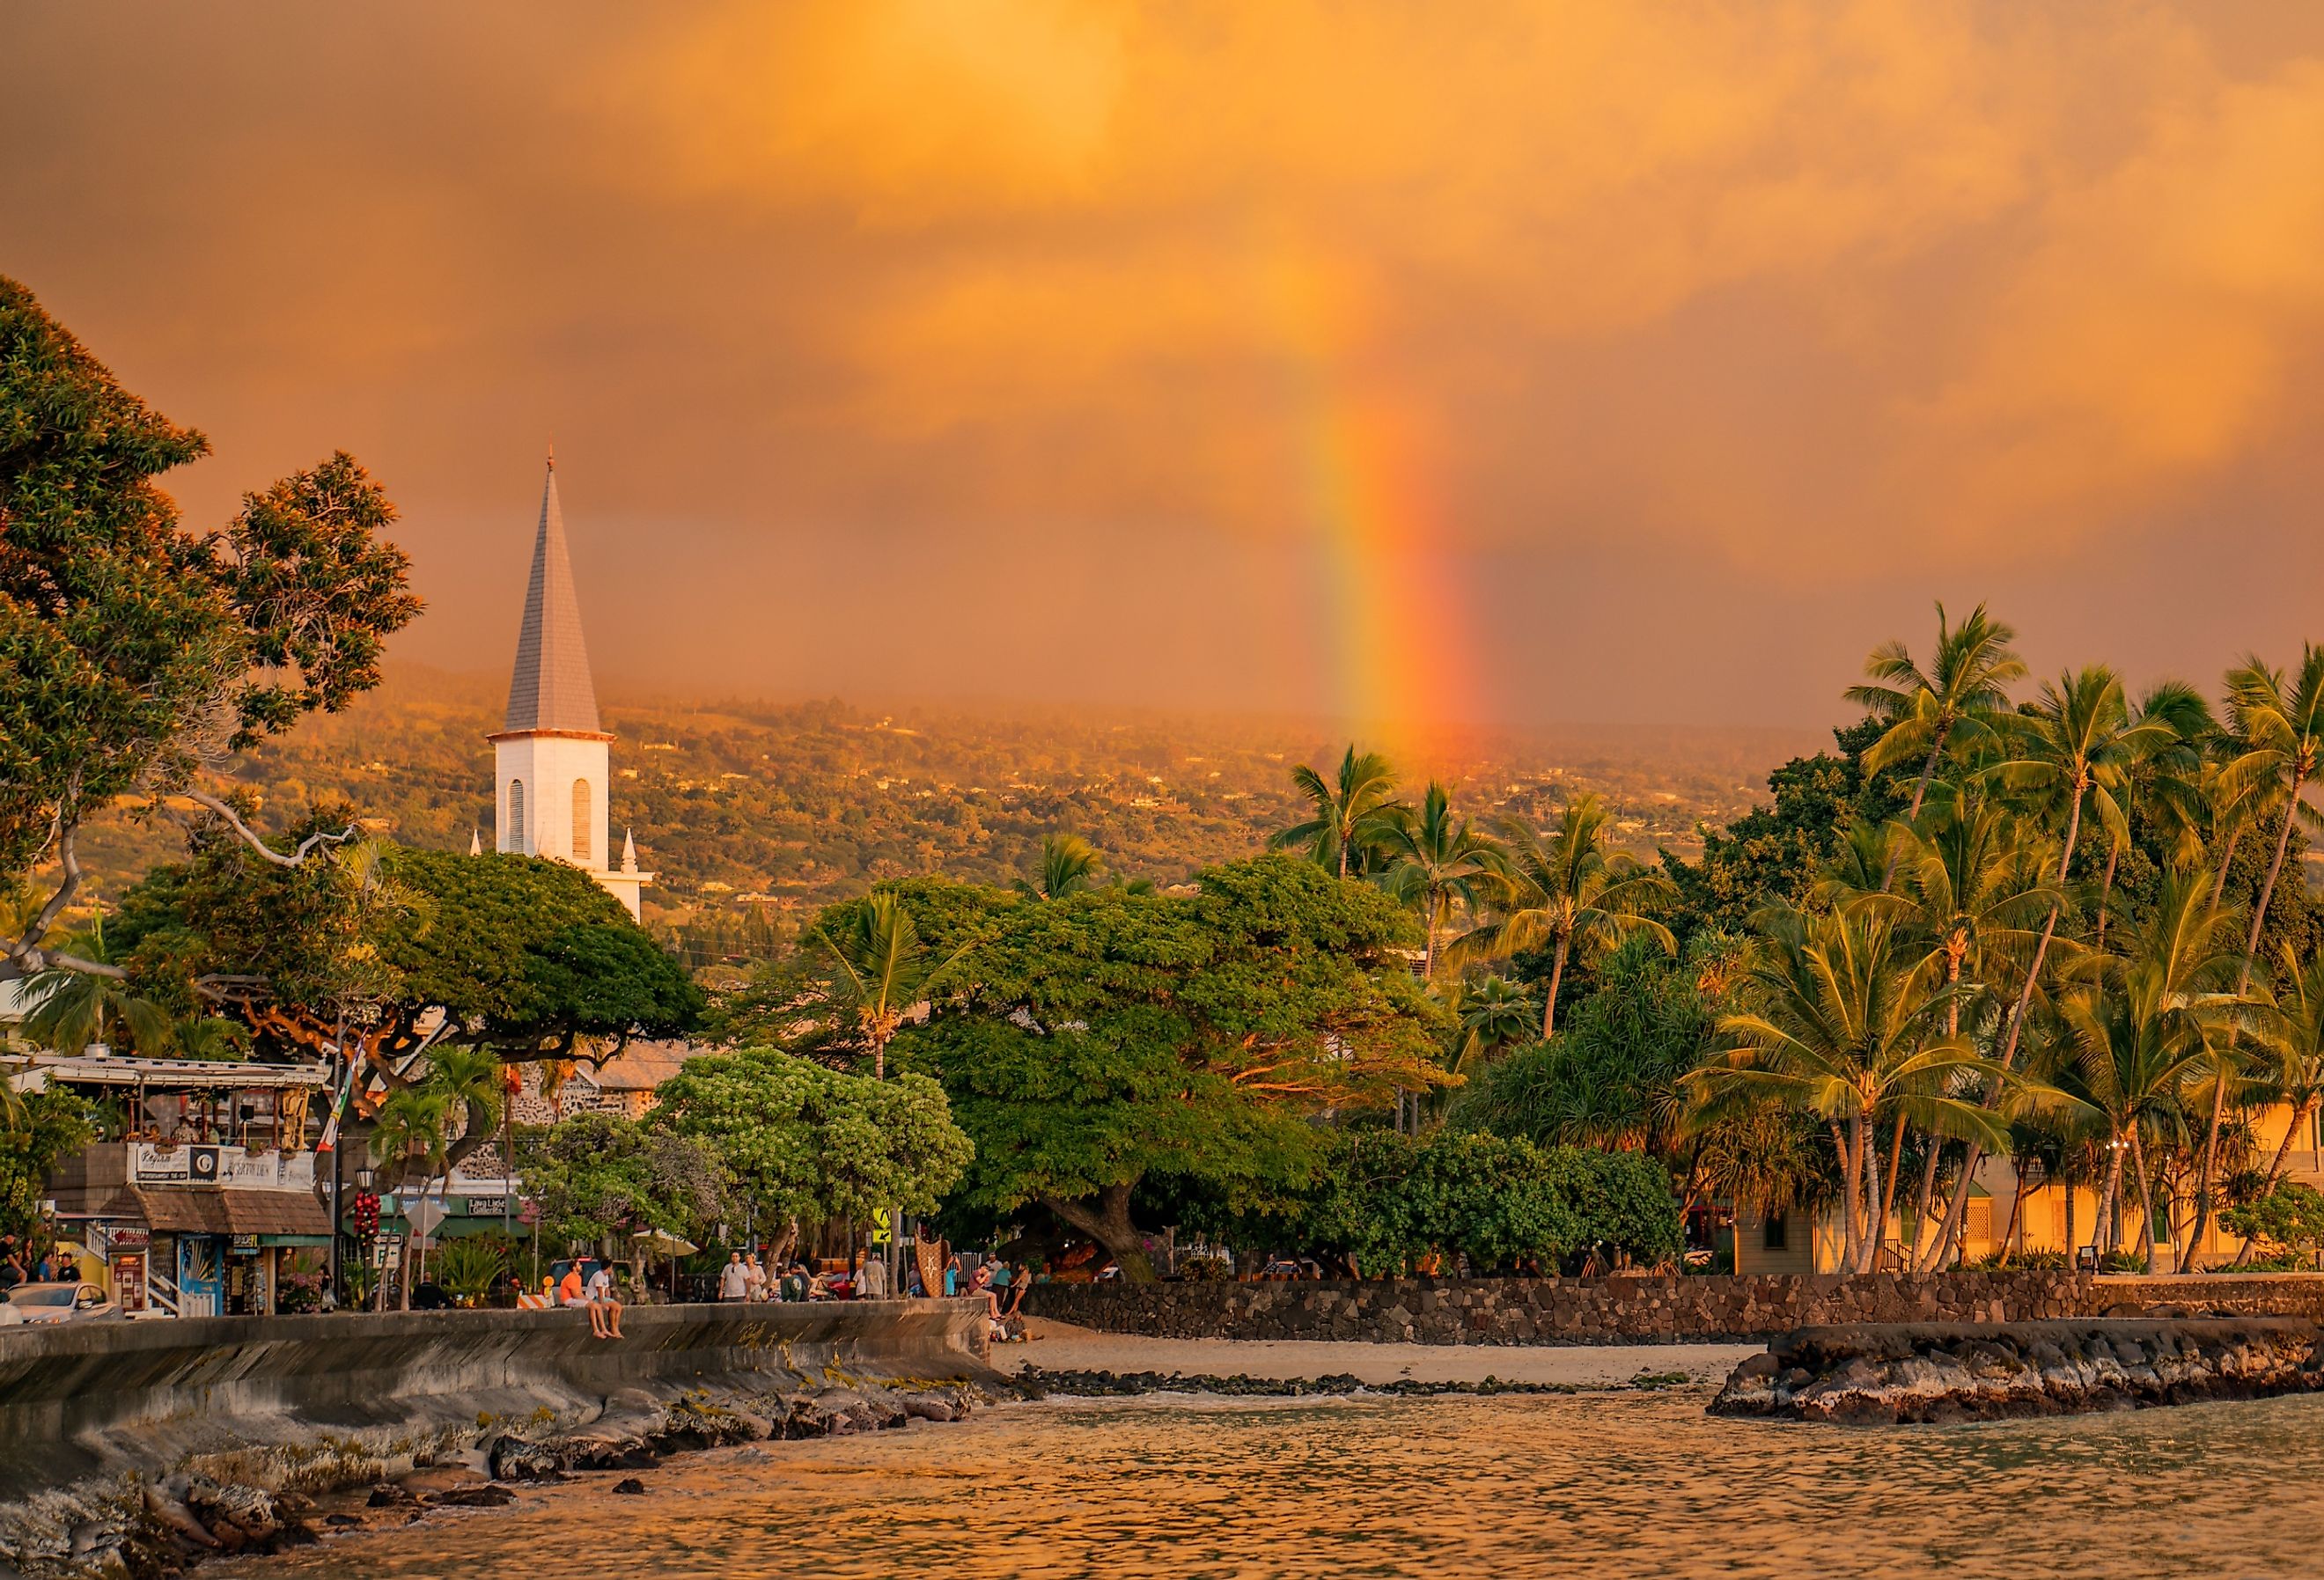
x: 1790, y: 301
x: 1085, y: 195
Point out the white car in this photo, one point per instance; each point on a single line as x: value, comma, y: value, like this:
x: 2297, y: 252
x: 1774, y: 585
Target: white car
x: 48, y: 1303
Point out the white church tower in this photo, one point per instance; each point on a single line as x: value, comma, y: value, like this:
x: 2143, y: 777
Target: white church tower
x: 550, y: 768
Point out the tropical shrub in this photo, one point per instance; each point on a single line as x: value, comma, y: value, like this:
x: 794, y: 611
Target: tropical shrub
x: 467, y: 1266
x: 2290, y: 1218
x: 1387, y: 1202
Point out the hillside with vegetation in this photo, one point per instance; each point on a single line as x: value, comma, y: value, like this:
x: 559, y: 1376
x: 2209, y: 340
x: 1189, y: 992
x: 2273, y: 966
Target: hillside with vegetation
x: 754, y: 811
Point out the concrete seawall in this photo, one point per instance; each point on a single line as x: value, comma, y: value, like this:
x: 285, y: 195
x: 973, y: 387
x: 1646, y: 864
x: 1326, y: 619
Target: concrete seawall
x: 91, y: 1413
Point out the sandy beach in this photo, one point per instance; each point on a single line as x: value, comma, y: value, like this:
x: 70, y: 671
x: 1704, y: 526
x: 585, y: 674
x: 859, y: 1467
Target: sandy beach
x: 1059, y: 1346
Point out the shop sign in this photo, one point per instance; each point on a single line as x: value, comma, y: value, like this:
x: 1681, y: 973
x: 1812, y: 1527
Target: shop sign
x: 486, y: 1207
x: 128, y: 1237
x: 245, y: 1245
x: 129, y: 1278
x: 231, y: 1166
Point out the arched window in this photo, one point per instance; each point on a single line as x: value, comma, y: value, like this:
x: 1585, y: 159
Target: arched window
x: 516, y: 815
x: 581, y: 820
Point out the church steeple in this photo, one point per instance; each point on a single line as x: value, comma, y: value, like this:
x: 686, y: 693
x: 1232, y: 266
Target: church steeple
x: 550, y: 688
x: 550, y: 761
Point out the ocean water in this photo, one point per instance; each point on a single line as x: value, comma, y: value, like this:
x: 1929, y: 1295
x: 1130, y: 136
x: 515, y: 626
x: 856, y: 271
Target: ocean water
x: 1611, y: 1486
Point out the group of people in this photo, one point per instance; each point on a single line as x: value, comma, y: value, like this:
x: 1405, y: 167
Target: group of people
x: 19, y: 1265
x: 1002, y: 1288
x: 745, y: 1278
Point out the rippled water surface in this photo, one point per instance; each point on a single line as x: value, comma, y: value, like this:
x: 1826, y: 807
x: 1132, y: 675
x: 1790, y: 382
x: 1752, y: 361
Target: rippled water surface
x: 1608, y: 1485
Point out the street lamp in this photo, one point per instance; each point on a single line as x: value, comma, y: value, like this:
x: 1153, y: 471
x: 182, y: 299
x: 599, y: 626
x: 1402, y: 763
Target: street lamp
x: 365, y: 1178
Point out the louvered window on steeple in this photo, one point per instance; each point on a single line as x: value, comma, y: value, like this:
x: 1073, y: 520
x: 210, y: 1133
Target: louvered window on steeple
x: 581, y: 820
x: 516, y: 815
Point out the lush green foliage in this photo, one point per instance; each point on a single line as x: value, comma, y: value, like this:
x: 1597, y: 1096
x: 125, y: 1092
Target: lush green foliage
x: 1778, y: 851
x: 598, y: 1180
x: 44, y: 1128
x: 799, y: 1141
x: 2290, y: 1217
x: 1383, y: 1203
x: 1094, y: 1039
x: 526, y: 956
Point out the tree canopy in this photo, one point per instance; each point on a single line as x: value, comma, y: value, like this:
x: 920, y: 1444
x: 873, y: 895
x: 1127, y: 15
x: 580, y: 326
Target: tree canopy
x: 525, y: 956
x: 134, y: 653
x: 799, y: 1141
x: 1093, y: 1040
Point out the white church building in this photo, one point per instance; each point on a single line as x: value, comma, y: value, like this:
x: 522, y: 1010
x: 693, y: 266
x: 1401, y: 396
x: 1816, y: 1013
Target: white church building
x: 551, y: 767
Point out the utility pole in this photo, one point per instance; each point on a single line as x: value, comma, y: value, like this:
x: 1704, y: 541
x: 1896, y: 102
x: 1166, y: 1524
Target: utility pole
x: 338, y: 1277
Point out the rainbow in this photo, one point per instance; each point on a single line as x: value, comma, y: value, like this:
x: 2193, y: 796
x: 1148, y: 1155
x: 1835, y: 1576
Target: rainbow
x: 1401, y: 669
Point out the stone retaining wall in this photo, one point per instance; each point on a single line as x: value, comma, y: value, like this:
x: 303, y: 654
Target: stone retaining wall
x: 1653, y: 1308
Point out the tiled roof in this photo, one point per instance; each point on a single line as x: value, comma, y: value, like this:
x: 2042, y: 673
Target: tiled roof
x: 550, y: 687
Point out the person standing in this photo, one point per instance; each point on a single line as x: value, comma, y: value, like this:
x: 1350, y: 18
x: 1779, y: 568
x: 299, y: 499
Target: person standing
x: 754, y: 1278
x: 734, y: 1278
x: 871, y: 1279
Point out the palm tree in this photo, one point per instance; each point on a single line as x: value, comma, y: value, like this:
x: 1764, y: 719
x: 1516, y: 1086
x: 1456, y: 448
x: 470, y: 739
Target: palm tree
x: 1069, y: 865
x: 880, y: 971
x: 411, y: 1126
x: 1564, y: 888
x: 2282, y: 727
x: 2294, y: 1057
x: 210, y: 1037
x: 1494, y: 1014
x: 1969, y: 887
x: 1964, y: 689
x: 1847, y: 1029
x: 2072, y: 753
x: 1348, y: 808
x: 67, y: 1009
x: 1434, y: 862
x: 2153, y: 1028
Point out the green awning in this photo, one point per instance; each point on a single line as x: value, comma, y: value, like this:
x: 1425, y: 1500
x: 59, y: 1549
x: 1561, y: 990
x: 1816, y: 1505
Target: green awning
x: 294, y: 1239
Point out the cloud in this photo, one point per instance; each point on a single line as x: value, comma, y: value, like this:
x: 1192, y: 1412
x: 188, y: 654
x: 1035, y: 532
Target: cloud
x: 1803, y: 299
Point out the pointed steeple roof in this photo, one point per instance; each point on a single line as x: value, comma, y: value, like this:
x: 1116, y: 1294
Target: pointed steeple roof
x: 551, y: 689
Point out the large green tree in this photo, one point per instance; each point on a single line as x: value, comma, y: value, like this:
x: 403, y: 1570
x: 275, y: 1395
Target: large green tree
x: 1092, y: 1041
x: 133, y: 654
x: 801, y: 1141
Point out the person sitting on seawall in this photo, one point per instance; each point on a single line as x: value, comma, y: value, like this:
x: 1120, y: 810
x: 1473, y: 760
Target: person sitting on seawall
x: 796, y: 1284
x: 571, y: 1292
x: 604, y: 1310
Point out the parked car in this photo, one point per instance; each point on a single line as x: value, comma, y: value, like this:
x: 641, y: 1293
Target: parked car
x: 10, y: 1317
x: 48, y: 1303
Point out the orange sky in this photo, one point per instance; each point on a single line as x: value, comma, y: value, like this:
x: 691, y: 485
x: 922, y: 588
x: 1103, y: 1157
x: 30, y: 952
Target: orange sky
x: 1009, y: 348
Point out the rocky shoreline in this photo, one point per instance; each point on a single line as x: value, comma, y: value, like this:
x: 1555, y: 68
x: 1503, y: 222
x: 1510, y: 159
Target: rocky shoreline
x: 276, y: 1499
x: 1038, y: 1383
x: 1880, y: 1375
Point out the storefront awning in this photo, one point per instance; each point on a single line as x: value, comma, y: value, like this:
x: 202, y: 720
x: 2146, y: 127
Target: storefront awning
x: 173, y: 1210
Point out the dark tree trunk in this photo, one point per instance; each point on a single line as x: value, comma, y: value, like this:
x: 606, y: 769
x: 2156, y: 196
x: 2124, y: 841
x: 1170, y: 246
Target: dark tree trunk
x: 1556, y: 975
x: 1104, y: 1217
